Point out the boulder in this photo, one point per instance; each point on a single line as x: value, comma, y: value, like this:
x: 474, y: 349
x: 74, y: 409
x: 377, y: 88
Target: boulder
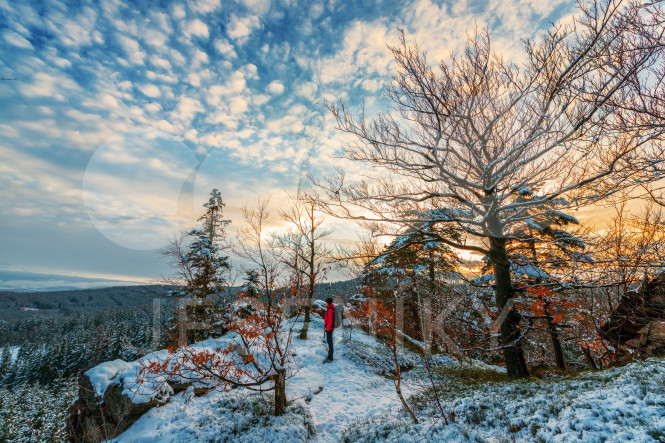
x: 93, y: 419
x: 637, y: 326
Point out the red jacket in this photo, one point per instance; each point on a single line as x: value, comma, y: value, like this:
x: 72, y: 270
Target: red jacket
x: 329, y: 318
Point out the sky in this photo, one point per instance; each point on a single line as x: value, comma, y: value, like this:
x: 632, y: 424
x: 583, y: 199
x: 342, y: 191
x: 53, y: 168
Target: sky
x: 118, y: 118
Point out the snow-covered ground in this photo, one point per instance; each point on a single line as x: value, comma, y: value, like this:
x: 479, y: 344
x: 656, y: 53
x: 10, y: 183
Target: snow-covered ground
x: 349, y: 391
x: 355, y: 403
x: 613, y: 405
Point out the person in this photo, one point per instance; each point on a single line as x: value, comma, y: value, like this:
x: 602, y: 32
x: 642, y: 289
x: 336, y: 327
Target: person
x: 329, y: 324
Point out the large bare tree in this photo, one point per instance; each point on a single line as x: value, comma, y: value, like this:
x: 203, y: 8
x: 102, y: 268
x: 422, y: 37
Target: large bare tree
x: 576, y: 119
x: 304, y: 246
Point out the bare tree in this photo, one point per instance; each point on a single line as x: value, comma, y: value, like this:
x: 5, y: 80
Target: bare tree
x: 304, y: 246
x: 629, y: 248
x: 577, y: 120
x: 254, y: 246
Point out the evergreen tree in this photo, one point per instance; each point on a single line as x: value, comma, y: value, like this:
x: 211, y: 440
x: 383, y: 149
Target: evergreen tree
x: 204, y: 257
x: 252, y: 284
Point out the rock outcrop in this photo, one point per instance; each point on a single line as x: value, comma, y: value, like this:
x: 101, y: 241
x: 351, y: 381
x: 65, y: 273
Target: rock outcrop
x: 93, y: 419
x: 637, y: 326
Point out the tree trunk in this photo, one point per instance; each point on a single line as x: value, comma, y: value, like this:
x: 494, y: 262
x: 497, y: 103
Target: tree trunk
x: 559, y: 356
x: 310, y: 292
x: 589, y: 357
x: 305, y: 324
x: 398, y: 382
x: 280, y: 391
x: 513, y: 354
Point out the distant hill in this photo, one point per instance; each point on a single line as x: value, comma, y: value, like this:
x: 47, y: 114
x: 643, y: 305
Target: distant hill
x: 15, y: 305
x: 16, y: 280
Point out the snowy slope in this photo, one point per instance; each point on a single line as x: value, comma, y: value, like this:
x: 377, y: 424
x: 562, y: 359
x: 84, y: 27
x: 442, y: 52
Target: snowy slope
x: 614, y: 405
x: 354, y: 403
x: 349, y: 391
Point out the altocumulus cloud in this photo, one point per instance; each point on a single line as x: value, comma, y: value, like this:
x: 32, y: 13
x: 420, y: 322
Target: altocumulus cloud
x: 238, y: 86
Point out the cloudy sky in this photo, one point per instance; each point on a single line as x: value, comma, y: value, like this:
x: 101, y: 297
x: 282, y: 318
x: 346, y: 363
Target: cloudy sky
x: 124, y: 115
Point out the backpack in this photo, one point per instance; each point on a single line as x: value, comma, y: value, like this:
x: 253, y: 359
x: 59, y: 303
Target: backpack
x: 338, y: 316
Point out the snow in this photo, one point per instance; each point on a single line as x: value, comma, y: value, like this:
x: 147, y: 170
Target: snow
x: 619, y: 404
x: 517, y: 270
x: 349, y: 391
x: 105, y: 374
x: 347, y: 400
x: 220, y: 417
x: 13, y: 353
x: 143, y: 389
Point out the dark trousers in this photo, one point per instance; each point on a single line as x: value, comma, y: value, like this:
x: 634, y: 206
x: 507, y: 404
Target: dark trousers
x: 330, y: 343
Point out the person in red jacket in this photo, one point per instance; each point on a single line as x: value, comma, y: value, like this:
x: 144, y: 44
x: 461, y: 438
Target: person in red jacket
x: 329, y: 324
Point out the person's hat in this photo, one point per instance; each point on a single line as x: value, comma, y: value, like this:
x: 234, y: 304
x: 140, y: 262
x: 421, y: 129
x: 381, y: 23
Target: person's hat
x: 329, y: 300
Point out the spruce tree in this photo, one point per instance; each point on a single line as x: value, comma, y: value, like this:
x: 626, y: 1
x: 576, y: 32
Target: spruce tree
x: 204, y: 257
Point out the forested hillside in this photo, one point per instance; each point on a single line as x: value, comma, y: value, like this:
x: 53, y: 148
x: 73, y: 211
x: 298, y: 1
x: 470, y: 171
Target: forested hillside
x: 15, y: 305
x: 47, y: 339
x: 44, y: 349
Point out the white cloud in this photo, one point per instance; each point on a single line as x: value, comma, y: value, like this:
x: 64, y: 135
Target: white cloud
x: 371, y: 85
x: 77, y: 31
x: 58, y: 61
x: 225, y: 48
x: 128, y: 26
x: 287, y: 123
x: 153, y: 107
x: 191, y: 135
x: 234, y: 86
x: 205, y: 6
x: 240, y: 28
x: 46, y: 85
x: 238, y: 105
x: 187, y: 108
x: 17, y: 40
x: 250, y: 71
x: 132, y: 49
x: 364, y: 53
x: 176, y: 57
x: 316, y: 9
x: 197, y: 28
x: 155, y: 38
x: 150, y: 91
x: 162, y: 20
x: 220, y: 117
x: 260, y: 99
x: 275, y: 87
x: 179, y: 11
x: 307, y: 90
x: 196, y: 78
x: 108, y: 101
x: 198, y: 58
x: 165, y: 126
x: 161, y: 63
x: 259, y: 7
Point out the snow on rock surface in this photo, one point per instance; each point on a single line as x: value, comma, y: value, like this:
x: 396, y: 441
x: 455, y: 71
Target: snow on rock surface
x: 105, y: 374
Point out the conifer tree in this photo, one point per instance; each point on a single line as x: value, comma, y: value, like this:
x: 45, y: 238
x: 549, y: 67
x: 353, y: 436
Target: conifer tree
x: 203, y: 257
